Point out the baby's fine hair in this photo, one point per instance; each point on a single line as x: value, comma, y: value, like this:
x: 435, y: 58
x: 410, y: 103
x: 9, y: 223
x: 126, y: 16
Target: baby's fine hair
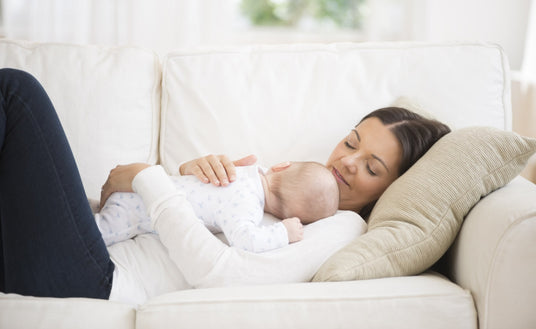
x: 306, y: 190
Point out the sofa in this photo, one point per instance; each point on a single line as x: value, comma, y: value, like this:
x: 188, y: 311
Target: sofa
x: 121, y: 105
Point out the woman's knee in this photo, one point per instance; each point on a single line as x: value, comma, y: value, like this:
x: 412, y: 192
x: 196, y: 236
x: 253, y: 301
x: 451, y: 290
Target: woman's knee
x: 16, y: 76
x: 17, y: 85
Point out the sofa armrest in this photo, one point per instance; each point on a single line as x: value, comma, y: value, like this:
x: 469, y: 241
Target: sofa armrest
x: 494, y: 256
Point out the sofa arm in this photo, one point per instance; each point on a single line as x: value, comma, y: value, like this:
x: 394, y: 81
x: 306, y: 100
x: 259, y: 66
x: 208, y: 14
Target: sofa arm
x: 494, y: 256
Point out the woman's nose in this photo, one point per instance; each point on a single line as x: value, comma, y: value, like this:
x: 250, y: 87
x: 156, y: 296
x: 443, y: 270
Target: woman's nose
x: 350, y: 162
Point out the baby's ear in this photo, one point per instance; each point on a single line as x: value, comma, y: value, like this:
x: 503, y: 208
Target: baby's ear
x: 281, y: 166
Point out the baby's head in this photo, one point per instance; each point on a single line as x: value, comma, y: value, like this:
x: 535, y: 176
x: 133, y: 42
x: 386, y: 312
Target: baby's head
x: 306, y: 190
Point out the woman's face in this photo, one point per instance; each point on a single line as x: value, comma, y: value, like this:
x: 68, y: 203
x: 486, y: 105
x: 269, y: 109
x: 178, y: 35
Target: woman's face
x: 365, y: 163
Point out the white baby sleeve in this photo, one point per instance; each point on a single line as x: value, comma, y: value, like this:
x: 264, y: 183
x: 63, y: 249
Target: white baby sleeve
x: 122, y: 217
x: 241, y: 226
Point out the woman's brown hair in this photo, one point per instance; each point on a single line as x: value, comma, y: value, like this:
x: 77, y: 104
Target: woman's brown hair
x: 415, y: 133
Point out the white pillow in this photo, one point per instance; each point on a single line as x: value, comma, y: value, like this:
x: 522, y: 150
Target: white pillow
x: 297, y: 262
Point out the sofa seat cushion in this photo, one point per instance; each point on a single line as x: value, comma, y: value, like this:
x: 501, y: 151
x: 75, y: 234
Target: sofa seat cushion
x: 425, y: 301
x: 18, y: 311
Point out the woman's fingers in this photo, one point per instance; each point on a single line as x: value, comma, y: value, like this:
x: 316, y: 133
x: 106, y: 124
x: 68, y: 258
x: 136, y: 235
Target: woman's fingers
x: 225, y: 170
x: 218, y: 170
x: 209, y: 168
x: 105, y: 193
x: 281, y: 166
x: 246, y: 161
x: 198, y: 172
x: 104, y: 196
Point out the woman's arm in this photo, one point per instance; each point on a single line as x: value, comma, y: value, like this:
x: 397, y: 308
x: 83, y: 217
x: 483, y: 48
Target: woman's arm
x: 215, y: 169
x: 191, y: 246
x: 211, y: 168
x: 205, y: 261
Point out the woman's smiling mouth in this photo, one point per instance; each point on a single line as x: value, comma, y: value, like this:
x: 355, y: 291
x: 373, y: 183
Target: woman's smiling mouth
x: 339, y: 177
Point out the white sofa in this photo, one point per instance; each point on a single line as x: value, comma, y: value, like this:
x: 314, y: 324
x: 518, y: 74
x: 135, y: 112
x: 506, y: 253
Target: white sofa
x: 123, y: 105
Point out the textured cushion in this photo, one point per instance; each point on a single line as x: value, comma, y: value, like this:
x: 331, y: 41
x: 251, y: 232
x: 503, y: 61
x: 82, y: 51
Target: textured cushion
x: 419, y: 215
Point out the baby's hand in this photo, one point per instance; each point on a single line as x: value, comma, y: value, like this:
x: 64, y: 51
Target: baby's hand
x: 294, y: 229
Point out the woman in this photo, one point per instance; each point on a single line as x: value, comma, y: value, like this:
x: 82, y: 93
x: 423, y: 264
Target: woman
x: 384, y: 144
x: 50, y: 244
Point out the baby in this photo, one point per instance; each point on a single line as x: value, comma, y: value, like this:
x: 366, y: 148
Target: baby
x: 300, y: 194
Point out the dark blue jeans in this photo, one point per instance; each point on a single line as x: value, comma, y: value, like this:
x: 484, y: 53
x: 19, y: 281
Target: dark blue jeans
x: 49, y: 242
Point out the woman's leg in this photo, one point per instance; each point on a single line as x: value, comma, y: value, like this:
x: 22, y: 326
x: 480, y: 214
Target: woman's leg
x: 50, y: 244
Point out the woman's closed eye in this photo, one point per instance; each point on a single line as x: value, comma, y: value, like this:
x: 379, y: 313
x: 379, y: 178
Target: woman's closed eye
x: 370, y: 171
x: 348, y: 145
x: 352, y: 141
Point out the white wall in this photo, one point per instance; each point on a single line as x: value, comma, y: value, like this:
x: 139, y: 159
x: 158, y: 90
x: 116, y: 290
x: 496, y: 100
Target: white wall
x: 167, y: 24
x: 500, y: 21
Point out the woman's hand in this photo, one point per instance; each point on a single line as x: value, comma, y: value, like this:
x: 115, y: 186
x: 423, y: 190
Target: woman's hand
x: 120, y: 180
x: 215, y: 169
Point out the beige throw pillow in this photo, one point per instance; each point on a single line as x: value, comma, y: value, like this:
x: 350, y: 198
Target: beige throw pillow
x: 419, y: 215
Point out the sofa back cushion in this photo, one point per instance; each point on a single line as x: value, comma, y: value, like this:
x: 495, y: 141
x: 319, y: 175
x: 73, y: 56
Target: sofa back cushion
x: 108, y: 100
x: 295, y: 102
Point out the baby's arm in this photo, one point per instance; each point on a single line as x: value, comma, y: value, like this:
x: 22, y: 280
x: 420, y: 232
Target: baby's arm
x: 255, y: 238
x: 123, y: 217
x: 294, y: 229
x: 240, y: 220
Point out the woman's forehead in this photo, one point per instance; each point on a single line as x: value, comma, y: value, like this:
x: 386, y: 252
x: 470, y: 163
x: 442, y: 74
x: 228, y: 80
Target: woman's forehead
x: 379, y: 140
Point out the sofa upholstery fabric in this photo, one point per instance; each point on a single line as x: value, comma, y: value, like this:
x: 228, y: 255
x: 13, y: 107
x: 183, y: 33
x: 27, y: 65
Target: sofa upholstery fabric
x: 286, y: 102
x: 371, y: 304
x: 94, y: 89
x: 295, y: 102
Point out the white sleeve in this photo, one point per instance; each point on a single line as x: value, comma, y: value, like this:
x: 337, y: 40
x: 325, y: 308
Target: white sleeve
x: 191, y: 246
x: 205, y: 261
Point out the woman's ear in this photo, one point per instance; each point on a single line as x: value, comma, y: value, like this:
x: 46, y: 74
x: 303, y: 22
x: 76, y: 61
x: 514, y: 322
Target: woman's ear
x: 281, y: 166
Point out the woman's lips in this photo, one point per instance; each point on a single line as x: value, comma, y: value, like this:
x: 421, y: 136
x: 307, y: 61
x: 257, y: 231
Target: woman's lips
x: 339, y: 177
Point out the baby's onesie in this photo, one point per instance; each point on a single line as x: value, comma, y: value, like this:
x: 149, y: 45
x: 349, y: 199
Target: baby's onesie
x: 236, y: 210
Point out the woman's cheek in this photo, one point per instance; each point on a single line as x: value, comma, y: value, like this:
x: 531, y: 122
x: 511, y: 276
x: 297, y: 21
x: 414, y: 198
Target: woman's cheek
x: 370, y: 189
